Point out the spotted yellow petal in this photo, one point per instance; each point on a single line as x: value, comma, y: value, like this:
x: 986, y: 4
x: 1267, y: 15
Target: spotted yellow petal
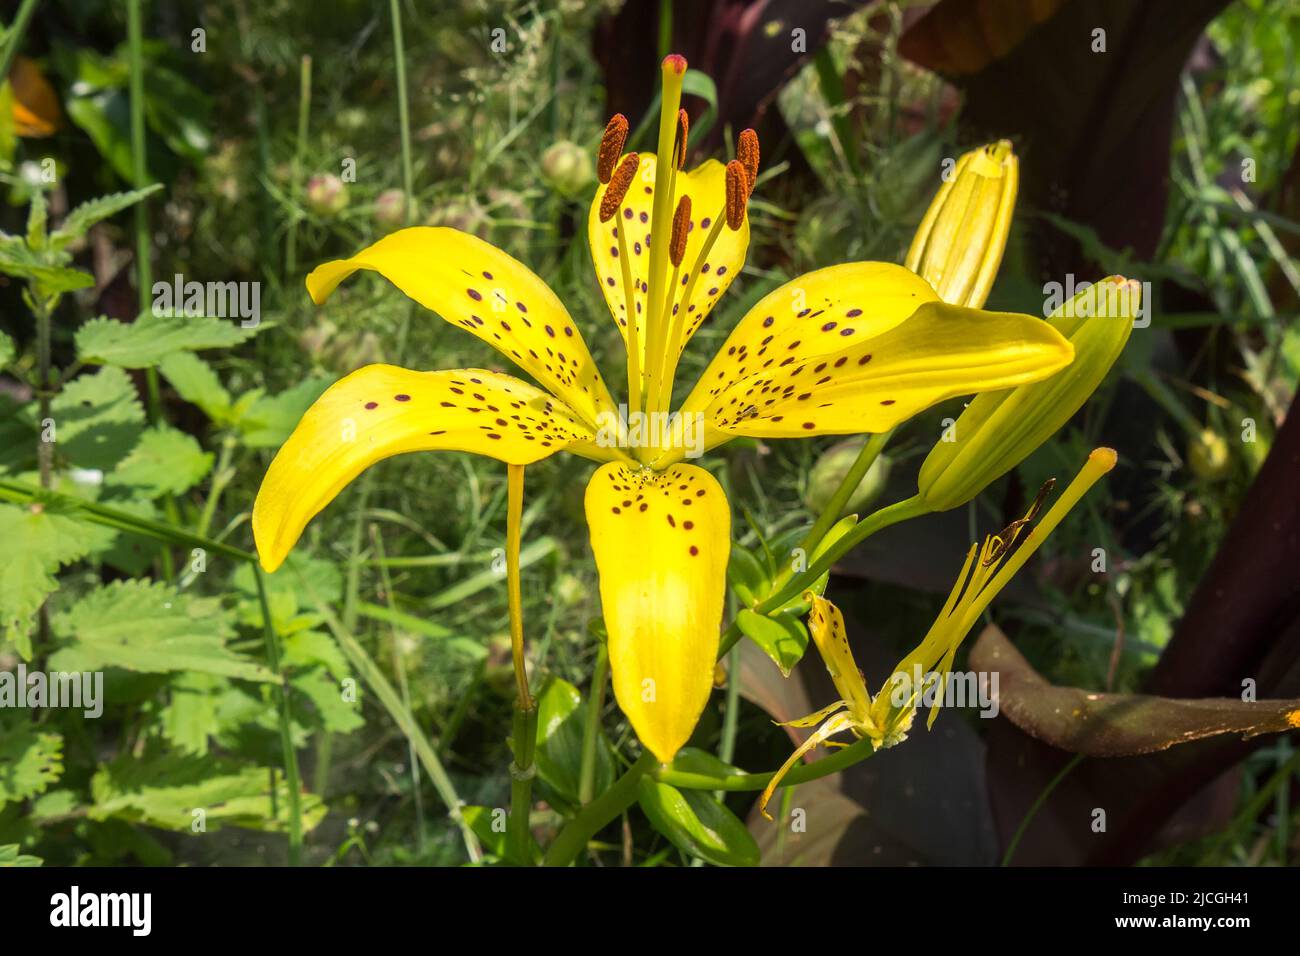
x: 380, y: 411
x: 473, y: 284
x: 942, y: 351
x: 826, y: 625
x: 661, y: 541
x: 705, y: 185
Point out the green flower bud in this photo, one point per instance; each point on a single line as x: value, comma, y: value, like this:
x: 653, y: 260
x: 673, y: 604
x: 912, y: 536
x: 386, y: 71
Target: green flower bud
x: 567, y: 168
x: 830, y: 470
x: 1208, y: 456
x: 958, y: 246
x: 326, y: 194
x: 390, y: 208
x: 998, y: 430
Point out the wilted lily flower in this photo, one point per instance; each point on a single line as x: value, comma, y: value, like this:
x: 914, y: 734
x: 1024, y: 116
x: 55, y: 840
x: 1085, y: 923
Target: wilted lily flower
x: 847, y: 349
x: 998, y: 430
x: 886, y: 719
x: 958, y: 246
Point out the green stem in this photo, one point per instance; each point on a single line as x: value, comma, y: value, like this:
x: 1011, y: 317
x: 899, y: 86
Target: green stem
x: 304, y: 115
x: 14, y: 37
x: 522, y: 771
x: 833, y: 763
x: 44, y: 389
x: 876, y: 521
x: 403, y: 110
x: 591, y: 727
x: 220, y: 478
x: 291, y: 778
x: 1036, y: 806
x: 839, y: 500
x: 571, y: 840
x: 140, y: 177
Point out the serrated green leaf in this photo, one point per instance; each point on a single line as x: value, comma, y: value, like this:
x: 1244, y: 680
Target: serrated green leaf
x: 697, y: 824
x: 149, y: 627
x: 78, y: 222
x: 151, y: 338
x: 270, y: 419
x: 38, y: 542
x: 190, y: 718
x: 31, y: 761
x: 197, y: 383
x: 164, y: 461
x: 98, y: 419
x: 336, y: 714
x: 165, y: 790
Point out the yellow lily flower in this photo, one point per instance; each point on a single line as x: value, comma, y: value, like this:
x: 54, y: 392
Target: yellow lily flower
x: 851, y: 348
x: 887, y: 718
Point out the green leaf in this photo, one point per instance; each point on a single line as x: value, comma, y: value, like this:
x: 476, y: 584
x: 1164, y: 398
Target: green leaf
x: 38, y: 540
x: 151, y: 338
x: 98, y: 419
x: 561, y: 713
x: 149, y: 627
x: 489, y: 825
x: 747, y: 576
x: 190, y: 717
x: 21, y: 261
x: 782, y: 637
x: 78, y: 222
x: 37, y: 219
x: 30, y: 761
x: 10, y: 857
x: 197, y: 383
x: 165, y: 790
x: 269, y: 420
x: 697, y: 824
x: 164, y: 461
x: 335, y: 714
x: 8, y: 351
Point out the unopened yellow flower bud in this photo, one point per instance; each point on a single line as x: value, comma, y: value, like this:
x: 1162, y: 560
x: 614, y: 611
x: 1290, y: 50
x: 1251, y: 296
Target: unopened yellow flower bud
x: 998, y: 430
x: 958, y: 246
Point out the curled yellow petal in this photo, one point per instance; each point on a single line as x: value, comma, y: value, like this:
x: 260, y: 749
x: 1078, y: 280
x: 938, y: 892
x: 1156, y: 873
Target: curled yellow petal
x: 380, y: 411
x: 826, y: 625
x: 661, y: 540
x: 473, y: 284
x: 835, y: 725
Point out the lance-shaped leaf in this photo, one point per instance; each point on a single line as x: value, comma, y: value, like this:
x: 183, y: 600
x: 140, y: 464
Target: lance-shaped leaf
x: 475, y: 285
x: 661, y: 541
x: 1116, y: 725
x: 705, y: 185
x: 697, y: 824
x: 380, y: 411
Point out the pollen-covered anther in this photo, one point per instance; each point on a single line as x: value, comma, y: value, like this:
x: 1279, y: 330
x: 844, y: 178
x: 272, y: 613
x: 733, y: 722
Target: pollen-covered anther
x: 748, y: 153
x: 737, y: 194
x: 619, y: 184
x: 683, y: 135
x: 611, y: 147
x: 681, y: 229
x: 675, y: 62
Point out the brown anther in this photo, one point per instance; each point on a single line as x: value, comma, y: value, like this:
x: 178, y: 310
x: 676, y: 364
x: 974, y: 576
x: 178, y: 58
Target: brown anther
x: 737, y: 194
x: 681, y: 229
x: 619, y: 184
x: 611, y: 146
x: 747, y: 153
x: 683, y: 133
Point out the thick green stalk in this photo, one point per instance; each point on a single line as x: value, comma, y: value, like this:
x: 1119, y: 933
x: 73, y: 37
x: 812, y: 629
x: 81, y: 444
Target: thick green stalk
x: 571, y: 840
x: 524, y: 740
x: 403, y: 110
x: 291, y: 778
x: 522, y: 772
x: 833, y: 763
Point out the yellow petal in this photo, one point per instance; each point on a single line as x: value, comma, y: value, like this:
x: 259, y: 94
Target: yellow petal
x: 706, y: 187
x: 661, y: 541
x: 473, y: 284
x: 940, y: 352
x: 380, y: 411
x: 835, y: 725
x: 821, y: 311
x: 826, y: 625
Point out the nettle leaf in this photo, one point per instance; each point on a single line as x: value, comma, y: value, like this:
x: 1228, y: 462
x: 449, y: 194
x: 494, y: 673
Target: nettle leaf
x: 697, y: 824
x: 8, y: 351
x: 1116, y: 725
x: 150, y: 627
x: 190, y: 718
x: 29, y: 762
x: 333, y: 712
x: 196, y: 382
x: 129, y: 789
x: 22, y: 262
x: 270, y: 419
x: 38, y: 541
x: 78, y: 222
x: 151, y: 338
x: 10, y: 857
x: 164, y: 461
x: 98, y: 419
x: 561, y: 714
